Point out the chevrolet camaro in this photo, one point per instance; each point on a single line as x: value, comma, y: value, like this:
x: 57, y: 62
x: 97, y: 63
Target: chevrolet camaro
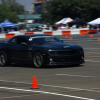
x: 39, y: 49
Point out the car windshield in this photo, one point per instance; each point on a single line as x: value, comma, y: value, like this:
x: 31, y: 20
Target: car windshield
x: 43, y: 39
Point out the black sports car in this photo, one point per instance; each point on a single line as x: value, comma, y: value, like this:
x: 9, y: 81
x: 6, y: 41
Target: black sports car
x: 40, y: 50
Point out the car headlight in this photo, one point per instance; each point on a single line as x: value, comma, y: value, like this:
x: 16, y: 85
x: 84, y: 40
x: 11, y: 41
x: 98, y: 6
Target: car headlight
x: 79, y: 50
x: 53, y: 52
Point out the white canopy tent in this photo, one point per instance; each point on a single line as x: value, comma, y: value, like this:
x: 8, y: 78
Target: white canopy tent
x: 96, y: 21
x: 64, y: 21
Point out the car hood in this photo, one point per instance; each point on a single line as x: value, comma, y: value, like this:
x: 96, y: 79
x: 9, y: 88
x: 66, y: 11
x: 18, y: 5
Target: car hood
x: 59, y: 45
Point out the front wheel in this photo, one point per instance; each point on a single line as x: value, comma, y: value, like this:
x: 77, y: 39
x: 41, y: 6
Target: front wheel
x: 38, y: 60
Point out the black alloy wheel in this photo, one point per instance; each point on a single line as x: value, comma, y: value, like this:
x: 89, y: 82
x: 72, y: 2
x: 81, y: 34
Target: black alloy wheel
x: 3, y: 58
x: 38, y: 60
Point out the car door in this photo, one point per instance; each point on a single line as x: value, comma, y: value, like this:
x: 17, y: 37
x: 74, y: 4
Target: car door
x: 20, y: 50
x: 14, y: 53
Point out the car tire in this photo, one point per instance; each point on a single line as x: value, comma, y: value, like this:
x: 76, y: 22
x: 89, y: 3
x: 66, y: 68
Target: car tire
x: 3, y: 58
x: 38, y: 60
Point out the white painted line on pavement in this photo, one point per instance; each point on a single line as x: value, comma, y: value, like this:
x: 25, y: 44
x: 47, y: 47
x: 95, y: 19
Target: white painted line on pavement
x: 77, y: 75
x: 79, y: 89
x: 92, y: 48
x: 15, y: 97
x: 92, y: 56
x: 92, y: 52
x: 15, y: 82
x: 52, y: 86
x: 92, y: 61
x: 44, y: 92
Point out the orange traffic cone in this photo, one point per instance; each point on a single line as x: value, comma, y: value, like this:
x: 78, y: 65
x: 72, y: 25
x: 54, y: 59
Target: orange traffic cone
x: 66, y: 37
x: 70, y: 38
x: 34, y: 83
x: 98, y: 38
x: 91, y: 35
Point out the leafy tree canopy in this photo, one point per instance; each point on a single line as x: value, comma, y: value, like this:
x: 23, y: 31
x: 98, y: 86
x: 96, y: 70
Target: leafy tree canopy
x: 6, y: 13
x: 58, y: 9
x: 14, y: 6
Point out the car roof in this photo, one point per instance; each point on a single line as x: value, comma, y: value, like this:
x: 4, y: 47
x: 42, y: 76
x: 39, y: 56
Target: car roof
x: 27, y: 36
x: 33, y: 35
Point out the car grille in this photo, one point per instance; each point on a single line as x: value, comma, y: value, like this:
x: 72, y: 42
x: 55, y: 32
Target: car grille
x: 71, y: 52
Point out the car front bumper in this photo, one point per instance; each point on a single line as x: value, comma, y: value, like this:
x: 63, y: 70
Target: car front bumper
x: 65, y: 63
x: 65, y: 60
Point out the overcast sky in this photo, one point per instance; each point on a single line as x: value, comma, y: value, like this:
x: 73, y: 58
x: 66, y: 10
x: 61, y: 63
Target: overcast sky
x: 28, y: 3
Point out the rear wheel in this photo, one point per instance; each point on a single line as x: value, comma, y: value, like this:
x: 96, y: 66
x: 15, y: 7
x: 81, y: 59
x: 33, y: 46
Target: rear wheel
x: 3, y: 58
x: 38, y: 60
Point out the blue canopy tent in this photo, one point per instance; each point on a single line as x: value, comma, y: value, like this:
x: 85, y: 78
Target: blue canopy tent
x: 7, y: 23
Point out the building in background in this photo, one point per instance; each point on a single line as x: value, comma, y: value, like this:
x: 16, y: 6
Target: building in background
x: 35, y: 13
x: 37, y: 6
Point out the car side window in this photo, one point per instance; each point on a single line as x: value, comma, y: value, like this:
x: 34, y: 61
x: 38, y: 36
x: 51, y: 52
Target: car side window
x: 21, y: 40
x: 13, y: 41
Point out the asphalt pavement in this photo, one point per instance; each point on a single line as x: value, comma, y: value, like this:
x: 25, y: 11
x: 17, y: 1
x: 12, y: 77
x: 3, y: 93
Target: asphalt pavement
x: 56, y: 82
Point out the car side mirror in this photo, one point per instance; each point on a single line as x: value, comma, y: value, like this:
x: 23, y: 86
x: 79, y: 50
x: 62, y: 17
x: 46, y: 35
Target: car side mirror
x: 24, y: 43
x: 61, y: 40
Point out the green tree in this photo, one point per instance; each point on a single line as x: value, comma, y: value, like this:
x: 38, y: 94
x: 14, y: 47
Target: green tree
x: 88, y: 9
x: 6, y: 13
x: 58, y: 9
x: 14, y: 6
